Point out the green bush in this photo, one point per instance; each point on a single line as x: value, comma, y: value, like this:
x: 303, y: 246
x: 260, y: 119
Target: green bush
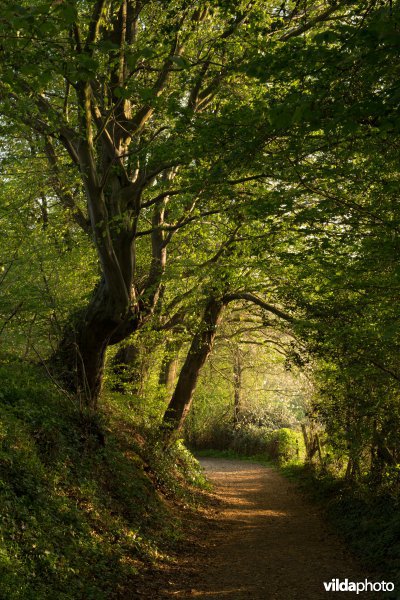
x: 281, y: 445
x: 285, y: 446
x: 368, y: 519
x: 248, y: 439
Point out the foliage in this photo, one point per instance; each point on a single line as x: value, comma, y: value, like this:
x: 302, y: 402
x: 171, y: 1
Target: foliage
x: 335, y: 93
x: 246, y: 390
x: 286, y: 446
x: 47, y: 266
x: 281, y: 446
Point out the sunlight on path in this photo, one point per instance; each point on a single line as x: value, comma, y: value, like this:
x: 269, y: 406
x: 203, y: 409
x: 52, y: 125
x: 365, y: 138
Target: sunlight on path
x: 266, y: 542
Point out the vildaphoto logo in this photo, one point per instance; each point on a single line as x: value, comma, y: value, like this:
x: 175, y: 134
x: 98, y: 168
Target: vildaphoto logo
x: 336, y: 585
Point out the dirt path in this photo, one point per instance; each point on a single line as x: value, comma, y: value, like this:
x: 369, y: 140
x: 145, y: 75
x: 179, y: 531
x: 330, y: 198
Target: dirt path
x: 264, y: 542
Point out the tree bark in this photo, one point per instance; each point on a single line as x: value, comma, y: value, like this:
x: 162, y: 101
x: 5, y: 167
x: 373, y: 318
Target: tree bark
x: 237, y: 385
x: 79, y: 358
x: 169, y: 366
x: 128, y: 362
x: 200, y: 348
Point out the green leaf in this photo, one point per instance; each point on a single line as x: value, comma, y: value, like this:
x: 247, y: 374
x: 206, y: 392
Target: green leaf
x: 181, y: 62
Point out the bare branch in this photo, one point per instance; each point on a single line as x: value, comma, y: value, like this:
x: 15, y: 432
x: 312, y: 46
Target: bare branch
x: 179, y: 225
x: 160, y: 197
x: 10, y: 317
x: 143, y: 114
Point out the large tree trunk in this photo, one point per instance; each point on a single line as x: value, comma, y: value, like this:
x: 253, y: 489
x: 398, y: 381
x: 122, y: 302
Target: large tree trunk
x: 79, y: 359
x: 200, y: 348
x: 128, y: 365
x: 108, y: 318
x: 113, y: 314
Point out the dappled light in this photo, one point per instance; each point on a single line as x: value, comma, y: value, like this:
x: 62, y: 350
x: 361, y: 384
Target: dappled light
x: 266, y: 541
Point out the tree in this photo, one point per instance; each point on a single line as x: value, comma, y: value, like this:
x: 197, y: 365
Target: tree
x: 343, y: 245
x: 138, y: 97
x: 271, y: 395
x: 199, y: 351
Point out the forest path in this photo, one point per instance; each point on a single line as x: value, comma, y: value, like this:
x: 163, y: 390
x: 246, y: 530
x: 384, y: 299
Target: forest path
x: 264, y: 542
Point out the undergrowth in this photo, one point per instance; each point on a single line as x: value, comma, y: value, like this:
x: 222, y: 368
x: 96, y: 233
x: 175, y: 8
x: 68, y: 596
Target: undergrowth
x: 86, y: 501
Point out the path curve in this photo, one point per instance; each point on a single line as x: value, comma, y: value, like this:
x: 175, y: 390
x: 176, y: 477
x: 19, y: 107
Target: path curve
x: 266, y: 542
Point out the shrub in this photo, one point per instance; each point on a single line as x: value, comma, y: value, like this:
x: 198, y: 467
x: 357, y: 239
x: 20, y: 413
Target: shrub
x: 285, y: 446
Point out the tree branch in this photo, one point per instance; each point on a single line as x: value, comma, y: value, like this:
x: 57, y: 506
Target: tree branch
x: 65, y: 196
x: 249, y: 297
x: 306, y: 26
x: 94, y: 23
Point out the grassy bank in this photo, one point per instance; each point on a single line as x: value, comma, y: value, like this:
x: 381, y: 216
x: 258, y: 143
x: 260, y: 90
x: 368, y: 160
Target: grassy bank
x: 86, y: 502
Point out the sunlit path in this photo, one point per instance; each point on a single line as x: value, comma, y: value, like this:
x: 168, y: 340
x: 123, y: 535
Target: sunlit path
x: 268, y: 543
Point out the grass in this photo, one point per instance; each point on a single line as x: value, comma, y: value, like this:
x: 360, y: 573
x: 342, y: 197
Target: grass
x: 86, y: 501
x: 231, y: 454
